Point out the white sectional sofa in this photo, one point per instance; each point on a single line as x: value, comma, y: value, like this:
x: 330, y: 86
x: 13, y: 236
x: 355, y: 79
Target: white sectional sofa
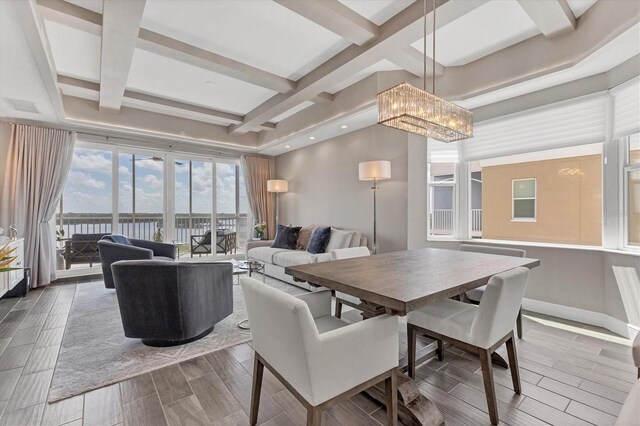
x: 276, y: 259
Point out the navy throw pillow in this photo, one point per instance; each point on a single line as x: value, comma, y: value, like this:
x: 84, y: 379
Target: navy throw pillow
x: 319, y: 240
x: 286, y: 237
x: 117, y: 238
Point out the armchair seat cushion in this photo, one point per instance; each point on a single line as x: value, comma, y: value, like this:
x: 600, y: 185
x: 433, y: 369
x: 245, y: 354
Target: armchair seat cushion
x: 162, y: 258
x: 291, y: 258
x: 447, y: 317
x: 476, y: 293
x: 329, y: 323
x: 264, y: 254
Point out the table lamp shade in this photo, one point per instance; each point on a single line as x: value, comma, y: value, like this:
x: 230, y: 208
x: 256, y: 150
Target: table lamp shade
x: 374, y: 170
x: 277, y: 185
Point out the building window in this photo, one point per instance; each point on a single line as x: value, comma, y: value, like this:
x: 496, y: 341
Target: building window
x: 632, y: 192
x: 442, y: 196
x: 549, y: 196
x: 524, y: 199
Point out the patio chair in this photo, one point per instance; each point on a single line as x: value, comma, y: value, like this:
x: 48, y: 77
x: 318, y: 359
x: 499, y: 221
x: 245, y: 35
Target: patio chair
x: 82, y: 248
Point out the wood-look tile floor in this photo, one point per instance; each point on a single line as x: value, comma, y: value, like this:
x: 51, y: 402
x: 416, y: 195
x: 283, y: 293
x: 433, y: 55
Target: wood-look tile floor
x: 571, y: 373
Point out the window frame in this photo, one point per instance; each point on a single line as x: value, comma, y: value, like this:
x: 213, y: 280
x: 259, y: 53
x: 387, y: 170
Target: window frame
x: 627, y: 169
x: 446, y: 183
x: 534, y: 198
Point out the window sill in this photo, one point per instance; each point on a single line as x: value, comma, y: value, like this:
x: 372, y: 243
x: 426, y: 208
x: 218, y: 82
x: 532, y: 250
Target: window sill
x: 480, y: 241
x: 524, y: 220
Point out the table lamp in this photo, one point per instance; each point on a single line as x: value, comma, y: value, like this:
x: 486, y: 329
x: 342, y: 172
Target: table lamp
x: 277, y: 186
x: 374, y: 171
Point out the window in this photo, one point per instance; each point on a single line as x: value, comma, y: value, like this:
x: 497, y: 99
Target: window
x: 632, y: 192
x: 86, y: 203
x: 193, y: 200
x: 551, y: 196
x: 442, y: 196
x: 141, y: 196
x: 524, y: 200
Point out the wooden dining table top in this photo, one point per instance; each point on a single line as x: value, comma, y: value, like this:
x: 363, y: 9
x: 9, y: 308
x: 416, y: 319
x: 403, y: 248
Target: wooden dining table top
x: 407, y: 280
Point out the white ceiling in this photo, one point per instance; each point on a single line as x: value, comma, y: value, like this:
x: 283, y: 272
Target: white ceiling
x: 377, y: 11
x: 156, y: 75
x: 491, y: 27
x: 76, y: 53
x: 19, y: 75
x: 268, y: 36
x: 260, y: 33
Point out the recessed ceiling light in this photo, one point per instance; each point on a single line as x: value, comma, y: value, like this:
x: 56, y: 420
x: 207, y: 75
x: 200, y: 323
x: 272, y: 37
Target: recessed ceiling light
x: 287, y: 146
x: 344, y: 126
x: 312, y: 138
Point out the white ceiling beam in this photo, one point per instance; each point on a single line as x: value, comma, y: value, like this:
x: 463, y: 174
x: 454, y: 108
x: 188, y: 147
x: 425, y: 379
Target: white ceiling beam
x: 412, y: 60
x: 32, y: 25
x: 89, y: 90
x: 201, y: 58
x: 121, y: 21
x: 553, y: 17
x: 80, y: 18
x: 336, y: 17
x: 398, y: 32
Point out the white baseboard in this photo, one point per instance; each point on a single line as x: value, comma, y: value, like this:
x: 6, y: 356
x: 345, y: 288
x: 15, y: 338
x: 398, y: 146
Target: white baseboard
x: 599, y: 319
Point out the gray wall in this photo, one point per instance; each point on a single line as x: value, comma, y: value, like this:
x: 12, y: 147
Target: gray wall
x: 324, y: 188
x: 581, y: 278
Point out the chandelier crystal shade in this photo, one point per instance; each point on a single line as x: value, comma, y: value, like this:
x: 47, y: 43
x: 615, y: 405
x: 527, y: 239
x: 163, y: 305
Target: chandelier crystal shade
x: 414, y: 110
x: 408, y: 108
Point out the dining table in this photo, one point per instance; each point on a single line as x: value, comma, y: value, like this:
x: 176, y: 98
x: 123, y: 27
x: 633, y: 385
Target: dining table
x: 399, y: 282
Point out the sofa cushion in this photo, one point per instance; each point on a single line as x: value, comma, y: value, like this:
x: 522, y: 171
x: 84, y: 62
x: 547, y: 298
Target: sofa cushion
x: 286, y: 237
x: 292, y: 258
x: 263, y: 254
x: 304, y: 236
x: 319, y: 240
x: 322, y: 257
x: 339, y: 239
x: 355, y: 240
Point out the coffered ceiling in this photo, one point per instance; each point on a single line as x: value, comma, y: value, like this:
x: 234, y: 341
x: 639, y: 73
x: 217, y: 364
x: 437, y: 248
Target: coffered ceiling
x: 255, y: 74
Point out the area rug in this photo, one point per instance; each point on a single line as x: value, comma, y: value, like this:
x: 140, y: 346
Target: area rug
x: 95, y: 353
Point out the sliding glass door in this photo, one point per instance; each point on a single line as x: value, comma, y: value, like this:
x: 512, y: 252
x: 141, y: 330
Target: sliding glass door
x: 141, y: 196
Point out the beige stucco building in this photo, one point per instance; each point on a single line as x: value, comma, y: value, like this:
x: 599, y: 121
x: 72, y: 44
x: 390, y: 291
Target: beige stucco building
x: 568, y: 201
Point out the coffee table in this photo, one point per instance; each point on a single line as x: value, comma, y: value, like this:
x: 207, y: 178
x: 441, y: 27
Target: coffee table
x: 248, y: 266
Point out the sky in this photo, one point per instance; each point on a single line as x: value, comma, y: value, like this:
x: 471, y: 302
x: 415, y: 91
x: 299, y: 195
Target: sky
x: 89, y: 187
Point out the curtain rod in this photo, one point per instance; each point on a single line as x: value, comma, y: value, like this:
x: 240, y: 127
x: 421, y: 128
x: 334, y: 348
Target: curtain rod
x: 169, y: 147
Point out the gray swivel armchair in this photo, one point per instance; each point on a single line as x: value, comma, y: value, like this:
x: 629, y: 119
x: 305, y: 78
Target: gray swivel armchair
x: 167, y: 303
x: 115, y: 247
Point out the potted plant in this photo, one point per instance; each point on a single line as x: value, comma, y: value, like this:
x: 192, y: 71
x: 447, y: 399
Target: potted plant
x: 260, y: 228
x: 60, y: 249
x: 6, y: 258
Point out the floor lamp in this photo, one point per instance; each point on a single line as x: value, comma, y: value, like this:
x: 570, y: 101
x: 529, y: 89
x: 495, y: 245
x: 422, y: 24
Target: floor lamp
x: 374, y: 171
x: 277, y: 186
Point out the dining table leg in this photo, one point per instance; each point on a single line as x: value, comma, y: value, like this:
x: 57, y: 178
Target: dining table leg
x: 414, y: 409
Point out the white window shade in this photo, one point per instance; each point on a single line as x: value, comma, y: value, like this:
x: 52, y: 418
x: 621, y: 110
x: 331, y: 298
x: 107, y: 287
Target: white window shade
x: 626, y: 108
x: 441, y: 152
x: 574, y: 122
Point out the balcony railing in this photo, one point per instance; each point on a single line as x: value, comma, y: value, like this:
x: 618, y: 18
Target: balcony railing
x: 146, y: 226
x: 442, y: 221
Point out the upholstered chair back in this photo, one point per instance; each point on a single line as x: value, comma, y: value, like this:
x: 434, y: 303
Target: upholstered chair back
x: 499, y: 306
x: 280, y: 324
x: 504, y: 251
x: 348, y: 253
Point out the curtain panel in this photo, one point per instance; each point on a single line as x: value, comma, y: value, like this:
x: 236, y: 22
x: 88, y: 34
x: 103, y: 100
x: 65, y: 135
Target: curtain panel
x: 38, y: 163
x: 257, y: 171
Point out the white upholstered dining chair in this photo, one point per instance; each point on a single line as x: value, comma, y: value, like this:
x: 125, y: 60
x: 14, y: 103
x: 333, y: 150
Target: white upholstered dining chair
x: 474, y: 295
x: 320, y: 359
x: 479, y: 329
x: 342, y: 298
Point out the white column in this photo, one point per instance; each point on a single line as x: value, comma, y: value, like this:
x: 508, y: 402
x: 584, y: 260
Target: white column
x: 169, y: 197
x: 462, y: 198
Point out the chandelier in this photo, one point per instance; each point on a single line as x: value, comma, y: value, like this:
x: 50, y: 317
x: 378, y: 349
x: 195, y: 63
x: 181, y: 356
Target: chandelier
x: 415, y: 110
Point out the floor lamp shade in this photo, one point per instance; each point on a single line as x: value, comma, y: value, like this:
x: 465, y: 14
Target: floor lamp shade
x: 374, y: 170
x: 277, y: 185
